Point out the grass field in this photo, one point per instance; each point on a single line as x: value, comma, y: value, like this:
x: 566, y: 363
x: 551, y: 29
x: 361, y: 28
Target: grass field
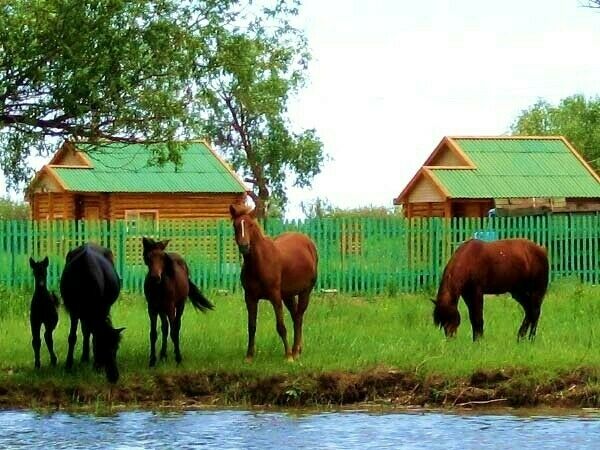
x: 342, y: 334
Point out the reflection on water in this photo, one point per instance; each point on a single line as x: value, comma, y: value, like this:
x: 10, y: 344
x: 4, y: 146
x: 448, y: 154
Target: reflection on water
x: 332, y: 430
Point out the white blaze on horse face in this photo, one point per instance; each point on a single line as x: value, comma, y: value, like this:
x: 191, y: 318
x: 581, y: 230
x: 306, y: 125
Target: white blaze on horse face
x: 243, y: 232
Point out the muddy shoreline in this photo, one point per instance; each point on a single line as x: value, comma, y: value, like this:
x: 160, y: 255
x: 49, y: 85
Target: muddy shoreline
x: 378, y: 387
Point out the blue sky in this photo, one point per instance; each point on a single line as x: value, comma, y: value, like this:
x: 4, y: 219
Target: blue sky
x: 390, y: 78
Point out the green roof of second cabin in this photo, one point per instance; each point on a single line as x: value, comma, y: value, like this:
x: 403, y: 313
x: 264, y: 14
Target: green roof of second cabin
x: 116, y: 167
x: 506, y: 167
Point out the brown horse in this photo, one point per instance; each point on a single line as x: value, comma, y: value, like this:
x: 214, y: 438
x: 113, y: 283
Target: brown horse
x: 166, y: 287
x: 517, y: 266
x: 276, y: 269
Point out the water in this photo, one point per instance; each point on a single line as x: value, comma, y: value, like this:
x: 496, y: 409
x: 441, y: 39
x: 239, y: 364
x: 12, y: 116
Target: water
x: 276, y: 430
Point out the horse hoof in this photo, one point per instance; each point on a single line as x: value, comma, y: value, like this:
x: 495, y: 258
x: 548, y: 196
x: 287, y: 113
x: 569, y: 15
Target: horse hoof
x: 37, y: 365
x: 249, y: 359
x: 289, y: 358
x: 152, y: 363
x: 53, y: 361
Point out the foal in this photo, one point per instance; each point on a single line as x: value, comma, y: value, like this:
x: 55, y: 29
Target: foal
x: 166, y: 287
x: 44, y: 310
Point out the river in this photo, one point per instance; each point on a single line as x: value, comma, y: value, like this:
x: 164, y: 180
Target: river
x: 232, y: 429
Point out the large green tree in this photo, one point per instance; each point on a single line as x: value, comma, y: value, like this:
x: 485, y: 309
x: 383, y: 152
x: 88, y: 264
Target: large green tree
x: 118, y: 70
x: 255, y: 70
x: 576, y: 117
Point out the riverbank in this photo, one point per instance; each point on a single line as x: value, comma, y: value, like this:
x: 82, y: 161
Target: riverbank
x: 379, y: 386
x: 383, y: 351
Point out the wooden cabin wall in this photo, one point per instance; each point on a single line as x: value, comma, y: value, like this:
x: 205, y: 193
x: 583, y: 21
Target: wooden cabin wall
x: 173, y: 206
x: 52, y: 205
x: 424, y: 191
x: 425, y: 209
x: 471, y: 208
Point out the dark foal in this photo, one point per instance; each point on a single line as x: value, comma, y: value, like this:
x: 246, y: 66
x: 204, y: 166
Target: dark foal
x: 44, y: 310
x: 517, y: 266
x: 166, y: 287
x: 90, y: 286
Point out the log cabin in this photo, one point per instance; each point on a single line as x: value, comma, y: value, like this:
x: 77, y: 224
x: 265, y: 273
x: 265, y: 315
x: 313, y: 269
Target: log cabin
x: 113, y: 181
x: 469, y: 176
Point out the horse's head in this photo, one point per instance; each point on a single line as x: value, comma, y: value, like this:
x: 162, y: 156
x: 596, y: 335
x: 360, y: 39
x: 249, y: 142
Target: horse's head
x: 106, y: 343
x: 244, y: 226
x: 155, y: 257
x: 40, y: 271
x: 446, y: 316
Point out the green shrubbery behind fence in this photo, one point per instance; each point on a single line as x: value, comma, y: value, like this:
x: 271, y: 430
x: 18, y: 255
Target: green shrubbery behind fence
x: 356, y: 255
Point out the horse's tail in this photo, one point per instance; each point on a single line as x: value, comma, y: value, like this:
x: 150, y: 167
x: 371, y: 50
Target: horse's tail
x: 198, y: 299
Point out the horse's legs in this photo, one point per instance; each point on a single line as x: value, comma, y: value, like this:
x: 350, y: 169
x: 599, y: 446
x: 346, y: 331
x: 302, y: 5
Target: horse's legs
x: 303, y: 299
x: 153, y: 336
x: 474, y: 301
x: 48, y: 329
x: 164, y: 327
x: 35, y: 341
x: 292, y: 305
x: 175, y: 327
x: 252, y: 307
x: 278, y: 308
x: 533, y: 312
x: 72, y: 340
x: 85, y: 351
x: 534, y: 316
x: 523, y: 300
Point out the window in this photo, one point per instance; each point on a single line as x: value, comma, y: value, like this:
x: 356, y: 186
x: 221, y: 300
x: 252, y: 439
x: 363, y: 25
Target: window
x: 141, y: 220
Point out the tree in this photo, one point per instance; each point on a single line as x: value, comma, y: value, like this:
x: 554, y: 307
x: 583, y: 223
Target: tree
x: 10, y: 210
x: 320, y: 208
x: 577, y: 118
x: 243, y: 99
x: 117, y: 70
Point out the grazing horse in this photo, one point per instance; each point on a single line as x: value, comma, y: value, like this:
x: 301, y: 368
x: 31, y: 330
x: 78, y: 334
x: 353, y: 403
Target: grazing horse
x: 89, y: 286
x: 277, y: 269
x: 517, y: 266
x: 166, y: 287
x: 44, y: 310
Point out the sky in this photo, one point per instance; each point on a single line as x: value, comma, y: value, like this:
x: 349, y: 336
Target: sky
x: 390, y: 78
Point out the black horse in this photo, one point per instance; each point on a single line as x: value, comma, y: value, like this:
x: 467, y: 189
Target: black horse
x: 44, y: 310
x: 89, y: 286
x: 167, y: 285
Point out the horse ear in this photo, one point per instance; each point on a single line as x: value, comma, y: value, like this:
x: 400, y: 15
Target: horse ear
x: 147, y: 243
x: 45, y: 262
x: 433, y: 301
x: 163, y: 244
x: 120, y: 330
x: 233, y: 211
x: 31, y: 262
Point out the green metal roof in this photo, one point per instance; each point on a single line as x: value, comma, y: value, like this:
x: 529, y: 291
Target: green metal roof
x: 126, y: 168
x: 518, y: 168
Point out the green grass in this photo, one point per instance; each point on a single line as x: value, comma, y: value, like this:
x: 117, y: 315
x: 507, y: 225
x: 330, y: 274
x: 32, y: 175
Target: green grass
x: 341, y: 333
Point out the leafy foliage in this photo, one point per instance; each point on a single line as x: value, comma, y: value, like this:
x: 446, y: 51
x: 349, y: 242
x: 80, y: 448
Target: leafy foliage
x: 319, y: 208
x: 257, y: 68
x: 575, y: 117
x: 104, y: 69
x: 10, y: 210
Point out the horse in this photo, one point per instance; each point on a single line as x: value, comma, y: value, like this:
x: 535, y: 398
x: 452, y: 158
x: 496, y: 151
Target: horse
x: 166, y: 286
x: 89, y: 286
x: 277, y: 269
x: 43, y: 310
x: 517, y: 266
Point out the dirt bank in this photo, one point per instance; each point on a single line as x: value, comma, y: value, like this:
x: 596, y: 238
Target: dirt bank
x: 515, y: 388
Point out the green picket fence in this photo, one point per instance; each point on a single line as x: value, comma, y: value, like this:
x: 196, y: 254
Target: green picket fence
x: 356, y: 255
